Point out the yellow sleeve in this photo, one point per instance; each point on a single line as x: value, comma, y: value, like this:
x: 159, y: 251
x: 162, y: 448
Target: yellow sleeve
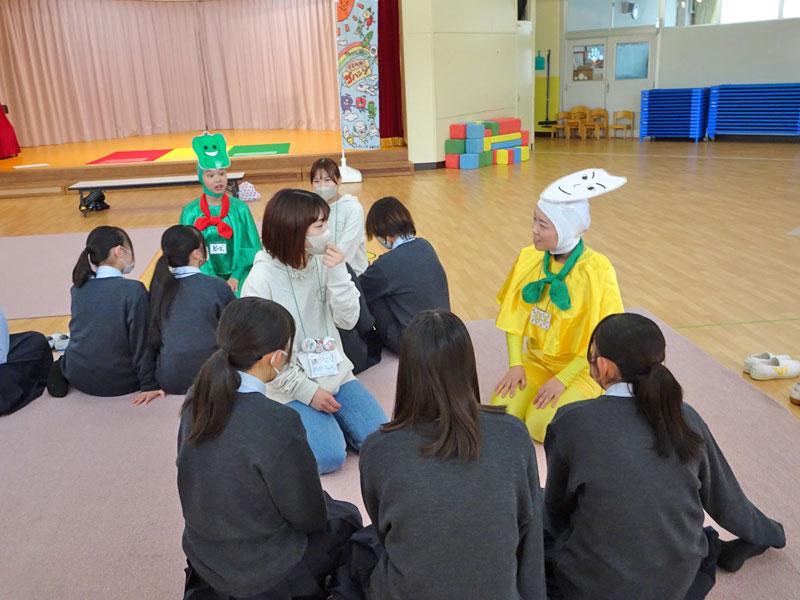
x: 611, y: 299
x: 574, y: 368
x: 514, y: 343
x: 514, y: 313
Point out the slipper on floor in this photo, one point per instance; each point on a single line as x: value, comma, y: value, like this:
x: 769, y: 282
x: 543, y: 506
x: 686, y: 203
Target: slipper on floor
x: 763, y: 357
x: 794, y: 394
x: 775, y: 368
x: 59, y: 341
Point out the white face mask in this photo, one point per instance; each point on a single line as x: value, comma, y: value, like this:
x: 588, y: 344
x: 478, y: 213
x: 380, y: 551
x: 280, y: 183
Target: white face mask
x: 285, y: 366
x: 384, y: 243
x: 317, y: 244
x: 128, y: 268
x: 327, y: 192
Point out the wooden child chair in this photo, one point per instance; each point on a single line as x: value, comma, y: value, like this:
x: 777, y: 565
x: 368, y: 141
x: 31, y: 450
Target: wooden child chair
x: 597, y: 122
x: 577, y: 117
x: 561, y: 125
x: 619, y: 125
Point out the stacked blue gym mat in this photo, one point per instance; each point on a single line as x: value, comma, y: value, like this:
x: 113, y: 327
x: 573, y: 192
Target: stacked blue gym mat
x: 754, y: 109
x: 674, y: 113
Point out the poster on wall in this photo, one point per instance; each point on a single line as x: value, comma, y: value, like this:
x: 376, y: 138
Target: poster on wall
x: 357, y: 44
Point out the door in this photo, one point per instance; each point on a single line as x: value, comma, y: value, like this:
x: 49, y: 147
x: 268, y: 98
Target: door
x: 630, y: 70
x: 584, y: 74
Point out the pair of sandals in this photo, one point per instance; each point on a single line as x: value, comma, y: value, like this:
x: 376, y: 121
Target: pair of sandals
x: 58, y: 341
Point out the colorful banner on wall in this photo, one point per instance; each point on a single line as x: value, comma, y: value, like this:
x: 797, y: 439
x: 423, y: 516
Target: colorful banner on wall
x: 357, y: 39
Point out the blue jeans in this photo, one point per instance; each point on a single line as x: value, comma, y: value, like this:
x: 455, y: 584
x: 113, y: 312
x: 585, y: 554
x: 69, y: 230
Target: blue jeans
x: 329, y: 435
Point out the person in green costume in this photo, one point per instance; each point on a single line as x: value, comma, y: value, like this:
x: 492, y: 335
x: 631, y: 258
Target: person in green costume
x: 231, y: 236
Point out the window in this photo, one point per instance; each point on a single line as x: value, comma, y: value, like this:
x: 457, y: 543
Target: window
x: 585, y: 15
x: 632, y: 60
x: 741, y: 11
x: 791, y: 9
x: 588, y: 62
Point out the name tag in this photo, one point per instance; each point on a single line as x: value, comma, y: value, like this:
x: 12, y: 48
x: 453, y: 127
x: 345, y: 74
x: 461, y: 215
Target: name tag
x: 541, y: 318
x: 322, y: 364
x: 218, y: 249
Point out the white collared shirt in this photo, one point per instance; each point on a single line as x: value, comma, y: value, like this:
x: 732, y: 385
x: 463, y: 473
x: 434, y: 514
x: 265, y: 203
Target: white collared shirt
x: 250, y: 384
x: 402, y: 240
x: 104, y: 271
x: 621, y: 389
x: 187, y: 271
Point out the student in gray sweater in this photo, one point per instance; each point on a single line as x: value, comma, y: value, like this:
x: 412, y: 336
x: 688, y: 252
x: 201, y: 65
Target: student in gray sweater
x: 404, y: 281
x: 629, y: 476
x: 107, y: 351
x: 451, y: 486
x: 185, y: 306
x: 257, y: 523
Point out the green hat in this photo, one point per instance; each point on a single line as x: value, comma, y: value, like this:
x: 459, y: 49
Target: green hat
x: 211, y: 151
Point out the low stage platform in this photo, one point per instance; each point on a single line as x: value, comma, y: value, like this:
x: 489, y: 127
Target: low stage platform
x: 52, y: 169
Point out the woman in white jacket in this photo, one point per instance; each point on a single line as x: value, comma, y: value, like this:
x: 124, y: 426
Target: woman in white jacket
x: 303, y: 271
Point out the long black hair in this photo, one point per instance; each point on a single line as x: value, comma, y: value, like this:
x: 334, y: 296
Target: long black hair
x: 177, y: 244
x: 248, y: 329
x: 636, y: 345
x: 437, y: 386
x: 100, y: 242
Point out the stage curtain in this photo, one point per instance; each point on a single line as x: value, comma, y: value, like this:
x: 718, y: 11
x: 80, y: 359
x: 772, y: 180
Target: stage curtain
x: 95, y: 69
x: 270, y: 65
x: 390, y: 83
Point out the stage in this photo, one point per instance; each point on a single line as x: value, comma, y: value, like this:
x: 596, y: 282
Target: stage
x: 51, y: 169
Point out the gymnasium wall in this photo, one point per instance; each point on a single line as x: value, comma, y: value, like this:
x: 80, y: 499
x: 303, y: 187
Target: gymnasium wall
x: 703, y: 55
x: 460, y: 63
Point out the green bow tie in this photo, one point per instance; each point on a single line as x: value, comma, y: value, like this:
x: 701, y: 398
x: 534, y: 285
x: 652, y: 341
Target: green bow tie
x: 559, y: 294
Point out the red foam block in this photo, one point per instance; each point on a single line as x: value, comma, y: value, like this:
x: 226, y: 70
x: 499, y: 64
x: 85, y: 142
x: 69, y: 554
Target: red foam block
x: 526, y: 138
x: 451, y: 161
x: 458, y: 131
x: 508, y: 125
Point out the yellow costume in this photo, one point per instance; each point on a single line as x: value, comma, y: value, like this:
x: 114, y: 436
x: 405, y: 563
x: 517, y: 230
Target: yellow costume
x: 560, y: 350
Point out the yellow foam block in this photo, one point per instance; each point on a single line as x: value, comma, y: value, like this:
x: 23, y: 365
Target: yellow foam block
x: 501, y: 157
x: 506, y: 137
x: 526, y: 153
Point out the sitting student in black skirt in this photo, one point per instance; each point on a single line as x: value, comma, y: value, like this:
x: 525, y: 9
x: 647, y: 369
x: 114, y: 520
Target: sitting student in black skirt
x: 107, y: 352
x: 25, y: 360
x: 451, y: 486
x: 257, y: 523
x: 404, y: 281
x: 185, y: 306
x: 629, y: 476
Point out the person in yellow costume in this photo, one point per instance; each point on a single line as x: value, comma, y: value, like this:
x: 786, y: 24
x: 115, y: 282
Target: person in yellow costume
x: 556, y: 293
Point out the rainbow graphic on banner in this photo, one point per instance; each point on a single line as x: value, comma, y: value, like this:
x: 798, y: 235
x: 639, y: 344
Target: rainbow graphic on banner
x: 357, y: 43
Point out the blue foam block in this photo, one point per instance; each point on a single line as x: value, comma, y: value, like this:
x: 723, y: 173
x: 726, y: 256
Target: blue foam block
x: 517, y: 154
x: 508, y: 144
x: 475, y: 130
x: 474, y: 145
x: 469, y: 161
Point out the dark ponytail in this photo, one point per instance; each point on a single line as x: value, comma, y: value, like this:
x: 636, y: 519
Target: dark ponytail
x: 248, y: 329
x: 177, y: 244
x: 100, y: 242
x: 636, y: 345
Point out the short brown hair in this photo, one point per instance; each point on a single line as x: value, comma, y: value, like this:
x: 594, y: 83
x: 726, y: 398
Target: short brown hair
x: 327, y: 165
x: 287, y: 217
x: 388, y: 216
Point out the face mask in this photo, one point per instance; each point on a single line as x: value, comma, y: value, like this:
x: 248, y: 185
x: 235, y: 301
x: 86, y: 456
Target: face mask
x: 384, y: 243
x: 327, y: 192
x: 128, y: 268
x: 318, y: 243
x: 285, y: 365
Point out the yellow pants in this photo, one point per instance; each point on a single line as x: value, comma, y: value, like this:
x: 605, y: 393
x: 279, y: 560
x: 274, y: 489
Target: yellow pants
x: 537, y: 373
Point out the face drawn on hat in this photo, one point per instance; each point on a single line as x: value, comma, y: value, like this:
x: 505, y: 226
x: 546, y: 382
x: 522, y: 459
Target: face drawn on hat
x: 582, y: 185
x: 211, y: 151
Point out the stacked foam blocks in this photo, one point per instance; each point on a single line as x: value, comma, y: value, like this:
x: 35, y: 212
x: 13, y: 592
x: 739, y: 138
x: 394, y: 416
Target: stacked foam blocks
x: 483, y: 143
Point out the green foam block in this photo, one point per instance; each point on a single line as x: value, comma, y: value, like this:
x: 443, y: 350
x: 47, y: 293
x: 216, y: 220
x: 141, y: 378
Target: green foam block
x: 455, y: 146
x: 485, y: 158
x: 494, y: 127
x: 259, y: 149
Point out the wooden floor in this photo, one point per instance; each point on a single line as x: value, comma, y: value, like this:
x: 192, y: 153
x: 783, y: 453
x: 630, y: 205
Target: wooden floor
x: 80, y: 153
x: 699, y: 236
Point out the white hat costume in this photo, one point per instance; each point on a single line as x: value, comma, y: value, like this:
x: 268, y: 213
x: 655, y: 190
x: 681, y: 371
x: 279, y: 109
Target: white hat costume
x: 566, y: 203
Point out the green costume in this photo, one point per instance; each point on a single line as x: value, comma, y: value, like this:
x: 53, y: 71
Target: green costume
x: 231, y: 236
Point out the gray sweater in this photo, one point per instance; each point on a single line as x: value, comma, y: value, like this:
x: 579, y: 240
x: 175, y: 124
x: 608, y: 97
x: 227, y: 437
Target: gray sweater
x: 455, y: 530
x: 188, y: 333
x: 409, y: 278
x: 107, y: 353
x: 250, y: 497
x: 628, y: 523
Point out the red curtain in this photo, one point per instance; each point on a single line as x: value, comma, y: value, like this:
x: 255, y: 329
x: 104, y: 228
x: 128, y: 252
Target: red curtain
x: 390, y: 83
